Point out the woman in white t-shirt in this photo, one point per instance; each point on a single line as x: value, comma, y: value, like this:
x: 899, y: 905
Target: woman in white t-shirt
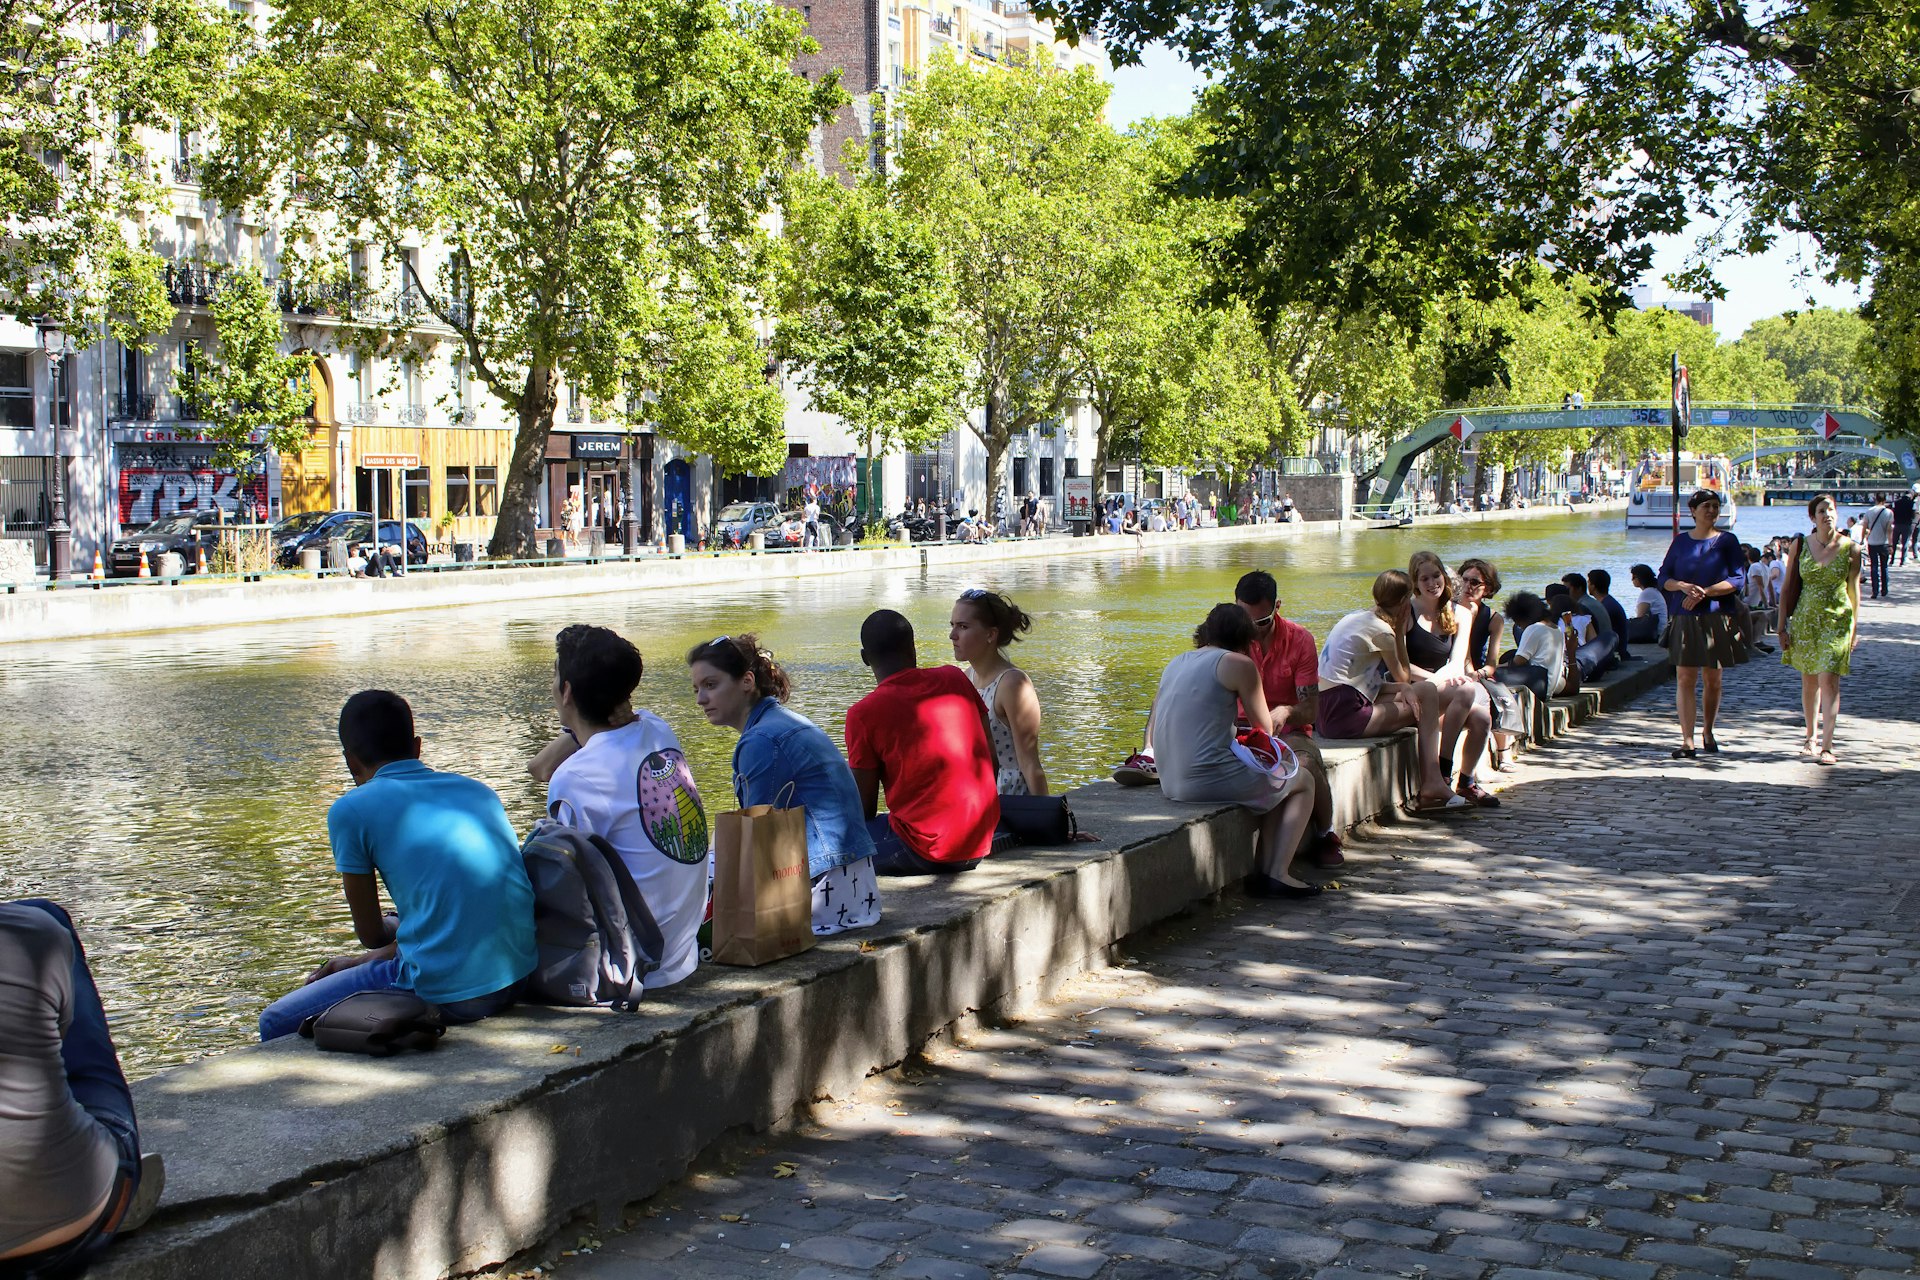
x: 1367, y: 691
x: 1539, y: 659
x: 1649, y: 618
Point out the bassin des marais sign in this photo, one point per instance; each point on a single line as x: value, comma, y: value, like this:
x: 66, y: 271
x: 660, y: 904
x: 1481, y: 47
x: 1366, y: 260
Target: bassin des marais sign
x: 597, y: 446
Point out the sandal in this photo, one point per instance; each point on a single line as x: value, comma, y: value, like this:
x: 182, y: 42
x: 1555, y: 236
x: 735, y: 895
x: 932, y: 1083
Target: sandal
x: 1479, y: 795
x: 1710, y: 745
x: 1828, y: 759
x: 1452, y: 804
x: 1683, y: 753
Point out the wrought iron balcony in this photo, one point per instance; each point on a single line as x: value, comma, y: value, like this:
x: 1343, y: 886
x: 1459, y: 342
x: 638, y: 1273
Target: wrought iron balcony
x: 193, y: 284
x: 134, y: 407
x: 414, y: 415
x: 576, y: 412
x: 186, y: 172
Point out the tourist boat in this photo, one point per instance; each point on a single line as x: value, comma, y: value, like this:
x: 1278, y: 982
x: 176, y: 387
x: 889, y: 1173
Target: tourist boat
x: 1650, y: 496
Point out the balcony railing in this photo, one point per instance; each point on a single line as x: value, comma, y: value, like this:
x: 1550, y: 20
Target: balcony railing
x: 186, y: 172
x: 347, y: 300
x: 361, y: 411
x: 414, y: 415
x: 576, y: 413
x: 134, y: 407
x: 193, y: 284
x: 943, y: 26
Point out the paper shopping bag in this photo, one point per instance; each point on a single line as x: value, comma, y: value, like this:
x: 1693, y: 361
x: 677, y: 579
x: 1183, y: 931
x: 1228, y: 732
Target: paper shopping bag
x: 762, y: 895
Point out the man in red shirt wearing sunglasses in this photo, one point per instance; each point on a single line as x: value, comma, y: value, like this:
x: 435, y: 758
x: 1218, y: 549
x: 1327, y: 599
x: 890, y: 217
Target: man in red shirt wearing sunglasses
x: 1289, y: 660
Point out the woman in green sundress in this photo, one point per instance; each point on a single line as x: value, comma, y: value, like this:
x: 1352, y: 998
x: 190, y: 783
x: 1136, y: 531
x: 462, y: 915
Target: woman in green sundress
x: 1821, y: 605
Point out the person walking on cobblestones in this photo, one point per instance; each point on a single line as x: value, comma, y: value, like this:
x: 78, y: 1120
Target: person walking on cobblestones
x: 1703, y: 572
x: 1903, y: 509
x: 1820, y: 622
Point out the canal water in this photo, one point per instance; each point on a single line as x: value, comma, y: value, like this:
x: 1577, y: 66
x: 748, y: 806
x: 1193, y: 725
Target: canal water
x: 172, y: 790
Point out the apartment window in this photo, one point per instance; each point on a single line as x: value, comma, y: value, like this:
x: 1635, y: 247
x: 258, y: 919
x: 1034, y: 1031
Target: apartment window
x: 1116, y: 480
x: 1046, y: 477
x: 1019, y: 477
x: 418, y: 503
x: 576, y: 408
x: 486, y: 491
x: 60, y: 393
x: 189, y: 363
x: 16, y: 391
x: 1073, y: 468
x: 458, y: 377
x: 459, y: 491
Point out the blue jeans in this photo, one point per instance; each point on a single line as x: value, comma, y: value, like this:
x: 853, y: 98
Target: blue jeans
x: 94, y: 1079
x: 284, y: 1016
x: 893, y: 857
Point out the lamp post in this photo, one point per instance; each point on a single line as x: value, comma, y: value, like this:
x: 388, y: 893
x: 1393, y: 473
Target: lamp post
x: 57, y: 346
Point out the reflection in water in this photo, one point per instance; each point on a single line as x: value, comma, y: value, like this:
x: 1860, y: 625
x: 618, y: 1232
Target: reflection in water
x: 172, y: 790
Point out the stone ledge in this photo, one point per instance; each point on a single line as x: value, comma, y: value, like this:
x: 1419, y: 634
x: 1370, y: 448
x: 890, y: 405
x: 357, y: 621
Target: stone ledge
x: 286, y: 1162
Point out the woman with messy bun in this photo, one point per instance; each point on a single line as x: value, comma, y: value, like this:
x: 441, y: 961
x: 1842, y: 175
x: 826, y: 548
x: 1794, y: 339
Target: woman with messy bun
x: 983, y: 624
x: 786, y: 760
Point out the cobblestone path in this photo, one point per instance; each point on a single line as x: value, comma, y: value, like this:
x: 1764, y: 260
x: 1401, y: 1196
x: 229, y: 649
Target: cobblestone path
x: 1652, y: 1020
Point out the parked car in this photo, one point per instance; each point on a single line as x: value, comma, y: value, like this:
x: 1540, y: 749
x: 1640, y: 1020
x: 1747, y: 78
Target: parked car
x: 738, y: 521
x: 294, y: 525
x: 187, y: 533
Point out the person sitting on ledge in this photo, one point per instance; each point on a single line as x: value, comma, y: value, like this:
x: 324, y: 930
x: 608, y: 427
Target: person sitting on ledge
x: 1192, y: 727
x: 1599, y: 582
x: 922, y: 736
x: 72, y: 1176
x: 450, y: 860
x: 629, y: 784
x: 1367, y: 691
x: 1539, y: 662
x: 785, y: 760
x: 1649, y: 620
x: 1597, y: 651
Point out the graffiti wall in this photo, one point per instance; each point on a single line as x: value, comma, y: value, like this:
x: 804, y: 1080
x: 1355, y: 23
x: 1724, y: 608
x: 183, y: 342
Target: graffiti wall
x: 149, y: 492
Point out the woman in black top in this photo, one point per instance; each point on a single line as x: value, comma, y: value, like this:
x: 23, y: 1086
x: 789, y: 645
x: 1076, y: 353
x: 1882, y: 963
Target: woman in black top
x: 1437, y: 651
x: 1480, y: 582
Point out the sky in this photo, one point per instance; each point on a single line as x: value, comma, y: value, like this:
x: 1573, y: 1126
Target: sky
x: 1757, y: 287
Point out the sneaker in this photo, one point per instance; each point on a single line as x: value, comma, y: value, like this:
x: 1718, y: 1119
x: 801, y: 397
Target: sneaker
x: 146, y: 1194
x: 1326, y: 851
x: 1137, y: 770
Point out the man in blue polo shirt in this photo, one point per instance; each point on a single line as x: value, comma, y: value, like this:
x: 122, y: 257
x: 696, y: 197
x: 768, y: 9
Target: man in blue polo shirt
x: 442, y: 845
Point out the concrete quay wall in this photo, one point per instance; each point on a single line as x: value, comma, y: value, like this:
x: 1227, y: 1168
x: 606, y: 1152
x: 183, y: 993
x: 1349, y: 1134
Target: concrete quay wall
x: 126, y: 608
x: 287, y: 1162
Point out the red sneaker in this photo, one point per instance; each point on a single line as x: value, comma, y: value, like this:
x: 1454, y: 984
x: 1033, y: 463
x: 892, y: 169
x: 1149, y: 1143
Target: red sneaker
x: 1137, y: 770
x: 1326, y: 850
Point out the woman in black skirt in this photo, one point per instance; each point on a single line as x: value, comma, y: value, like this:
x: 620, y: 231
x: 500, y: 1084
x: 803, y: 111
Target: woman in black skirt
x: 1702, y: 575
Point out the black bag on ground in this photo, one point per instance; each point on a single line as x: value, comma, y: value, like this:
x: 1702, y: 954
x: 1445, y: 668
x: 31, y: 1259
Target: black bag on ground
x: 1038, y: 819
x: 380, y: 1023
x: 595, y: 938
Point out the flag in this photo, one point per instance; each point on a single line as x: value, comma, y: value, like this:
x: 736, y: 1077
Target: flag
x: 1829, y: 425
x: 1461, y: 429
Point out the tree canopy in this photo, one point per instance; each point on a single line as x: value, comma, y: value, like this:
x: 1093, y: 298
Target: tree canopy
x: 597, y: 173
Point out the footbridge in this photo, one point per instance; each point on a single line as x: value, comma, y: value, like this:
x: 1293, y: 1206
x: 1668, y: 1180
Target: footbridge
x: 1861, y: 432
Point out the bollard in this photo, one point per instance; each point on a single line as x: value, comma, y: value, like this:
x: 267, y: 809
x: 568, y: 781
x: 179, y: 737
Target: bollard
x: 676, y: 544
x: 556, y: 549
x: 172, y: 565
x: 310, y: 560
x: 757, y: 540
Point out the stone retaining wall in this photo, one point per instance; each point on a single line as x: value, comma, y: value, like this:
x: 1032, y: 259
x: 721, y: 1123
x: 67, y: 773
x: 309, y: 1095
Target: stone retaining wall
x: 289, y: 1163
x: 129, y: 608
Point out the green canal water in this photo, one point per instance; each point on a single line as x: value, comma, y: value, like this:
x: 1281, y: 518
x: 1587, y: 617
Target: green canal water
x: 172, y: 791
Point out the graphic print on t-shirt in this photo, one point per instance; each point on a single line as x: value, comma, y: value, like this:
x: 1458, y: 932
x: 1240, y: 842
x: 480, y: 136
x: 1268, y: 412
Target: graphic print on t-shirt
x: 670, y: 807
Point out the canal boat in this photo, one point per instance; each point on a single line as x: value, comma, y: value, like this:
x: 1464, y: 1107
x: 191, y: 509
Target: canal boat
x: 1650, y: 495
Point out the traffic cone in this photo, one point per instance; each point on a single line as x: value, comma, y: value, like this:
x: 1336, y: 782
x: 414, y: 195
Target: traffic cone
x: 144, y: 571
x: 99, y: 567
x: 200, y: 559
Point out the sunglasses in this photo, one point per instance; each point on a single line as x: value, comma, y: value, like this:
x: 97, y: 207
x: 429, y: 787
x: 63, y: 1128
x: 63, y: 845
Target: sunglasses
x: 1473, y: 582
x: 975, y: 593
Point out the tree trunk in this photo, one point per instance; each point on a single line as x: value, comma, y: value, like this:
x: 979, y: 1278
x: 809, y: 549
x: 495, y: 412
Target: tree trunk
x: 520, y: 498
x: 996, y: 438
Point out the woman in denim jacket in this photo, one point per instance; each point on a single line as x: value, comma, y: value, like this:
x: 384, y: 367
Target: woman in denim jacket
x: 785, y: 759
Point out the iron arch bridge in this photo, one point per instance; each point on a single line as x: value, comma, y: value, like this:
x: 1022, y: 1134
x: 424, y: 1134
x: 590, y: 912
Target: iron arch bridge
x: 1832, y: 453
x: 1861, y: 431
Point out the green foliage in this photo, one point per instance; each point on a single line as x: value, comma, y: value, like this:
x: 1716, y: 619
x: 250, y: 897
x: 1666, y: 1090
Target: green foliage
x: 75, y: 178
x: 1238, y: 409
x: 1005, y: 165
x: 248, y: 388
x: 598, y: 172
x: 867, y: 313
x: 1818, y: 351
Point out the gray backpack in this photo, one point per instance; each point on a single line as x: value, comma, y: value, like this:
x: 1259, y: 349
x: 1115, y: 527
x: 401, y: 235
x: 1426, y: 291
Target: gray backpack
x: 597, y: 940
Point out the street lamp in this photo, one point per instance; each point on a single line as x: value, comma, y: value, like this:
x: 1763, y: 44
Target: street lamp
x: 57, y: 346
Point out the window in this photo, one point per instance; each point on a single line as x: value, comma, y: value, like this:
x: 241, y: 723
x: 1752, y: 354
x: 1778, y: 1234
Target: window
x: 486, y: 491
x: 1073, y: 468
x: 458, y: 378
x: 189, y: 363
x: 16, y: 391
x: 1116, y: 480
x: 1019, y: 477
x: 1046, y: 477
x: 418, y: 503
x: 459, y: 491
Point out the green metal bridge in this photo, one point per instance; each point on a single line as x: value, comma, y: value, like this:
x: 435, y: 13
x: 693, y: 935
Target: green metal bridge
x: 1861, y: 434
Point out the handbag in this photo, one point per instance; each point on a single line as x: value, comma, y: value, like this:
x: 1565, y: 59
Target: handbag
x: 762, y: 894
x: 1264, y: 753
x: 1039, y: 819
x: 378, y: 1023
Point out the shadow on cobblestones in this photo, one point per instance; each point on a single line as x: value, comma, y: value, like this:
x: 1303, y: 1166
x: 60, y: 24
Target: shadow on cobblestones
x: 1651, y: 1020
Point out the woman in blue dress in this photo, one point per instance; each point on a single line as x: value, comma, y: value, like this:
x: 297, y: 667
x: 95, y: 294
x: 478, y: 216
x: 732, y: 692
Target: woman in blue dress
x: 1702, y: 575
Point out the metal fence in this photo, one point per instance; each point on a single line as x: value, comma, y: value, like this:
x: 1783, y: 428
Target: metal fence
x: 25, y: 498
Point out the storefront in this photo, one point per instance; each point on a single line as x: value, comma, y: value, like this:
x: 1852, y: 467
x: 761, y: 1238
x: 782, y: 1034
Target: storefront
x: 453, y: 493
x: 160, y: 470
x: 598, y: 471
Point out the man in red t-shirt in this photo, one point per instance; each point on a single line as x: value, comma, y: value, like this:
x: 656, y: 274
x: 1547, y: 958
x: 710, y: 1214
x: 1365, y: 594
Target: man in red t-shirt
x: 922, y: 734
x: 1289, y: 660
